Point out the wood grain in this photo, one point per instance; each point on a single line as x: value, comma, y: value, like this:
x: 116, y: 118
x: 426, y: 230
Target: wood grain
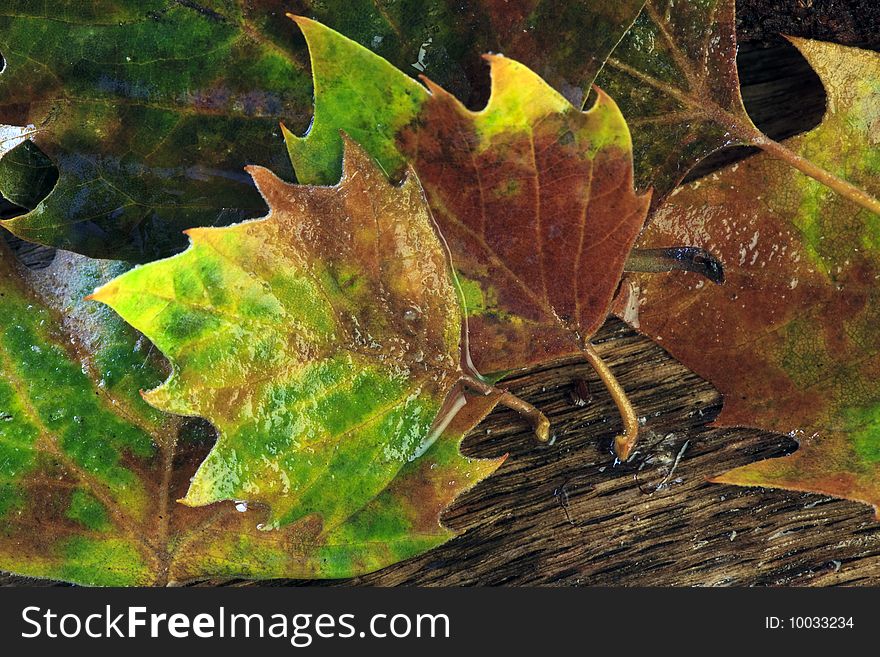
x: 567, y: 514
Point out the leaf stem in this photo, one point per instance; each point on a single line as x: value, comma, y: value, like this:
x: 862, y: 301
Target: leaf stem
x: 676, y: 258
x: 839, y: 185
x: 540, y: 423
x: 623, y: 442
x: 751, y: 135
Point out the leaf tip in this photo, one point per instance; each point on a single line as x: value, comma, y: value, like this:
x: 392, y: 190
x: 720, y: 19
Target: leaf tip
x: 602, y: 98
x: 309, y: 27
x: 287, y: 134
x: 355, y: 158
x: 104, y: 293
x: 741, y: 476
x: 268, y: 184
x: 797, y: 42
x: 490, y: 466
x: 606, y: 102
x: 502, y: 68
x: 253, y: 170
x: 432, y: 86
x: 184, y: 501
x: 298, y: 19
x: 194, y: 234
x: 157, y: 398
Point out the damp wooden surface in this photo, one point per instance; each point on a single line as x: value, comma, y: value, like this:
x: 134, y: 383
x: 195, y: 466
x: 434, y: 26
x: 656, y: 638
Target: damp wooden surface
x: 568, y: 514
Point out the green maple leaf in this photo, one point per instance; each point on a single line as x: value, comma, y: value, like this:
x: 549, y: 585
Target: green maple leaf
x: 791, y: 339
x: 327, y: 378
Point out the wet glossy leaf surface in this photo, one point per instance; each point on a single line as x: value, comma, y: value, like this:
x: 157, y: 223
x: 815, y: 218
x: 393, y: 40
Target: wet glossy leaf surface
x: 76, y: 439
x: 674, y: 76
x: 356, y: 472
x: 791, y: 338
x: 533, y: 196
x: 135, y: 103
x: 325, y: 342
x: 146, y: 112
x: 321, y: 341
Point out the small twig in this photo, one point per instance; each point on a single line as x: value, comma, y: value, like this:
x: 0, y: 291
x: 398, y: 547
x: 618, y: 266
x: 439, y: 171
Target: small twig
x: 624, y: 442
x: 674, y: 465
x: 540, y: 423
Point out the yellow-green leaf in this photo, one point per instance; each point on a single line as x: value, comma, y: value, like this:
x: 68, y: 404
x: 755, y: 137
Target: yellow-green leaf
x: 322, y: 341
x: 325, y: 351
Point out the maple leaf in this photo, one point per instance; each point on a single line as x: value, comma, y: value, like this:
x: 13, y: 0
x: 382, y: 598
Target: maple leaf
x: 674, y: 75
x: 791, y: 338
x: 318, y: 340
x: 534, y: 197
x: 132, y: 102
x: 120, y: 113
x: 90, y: 472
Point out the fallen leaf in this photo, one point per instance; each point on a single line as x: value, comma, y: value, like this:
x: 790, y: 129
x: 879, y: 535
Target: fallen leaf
x: 676, y: 79
x: 533, y: 196
x: 75, y: 438
x: 91, y: 473
x: 321, y: 341
x: 791, y: 338
x: 133, y: 104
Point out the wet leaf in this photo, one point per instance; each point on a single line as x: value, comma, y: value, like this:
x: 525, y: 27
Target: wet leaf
x: 674, y: 76
x: 90, y: 472
x: 791, y: 338
x: 142, y: 114
x: 75, y: 438
x: 323, y: 342
x: 533, y: 196
x: 135, y: 103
